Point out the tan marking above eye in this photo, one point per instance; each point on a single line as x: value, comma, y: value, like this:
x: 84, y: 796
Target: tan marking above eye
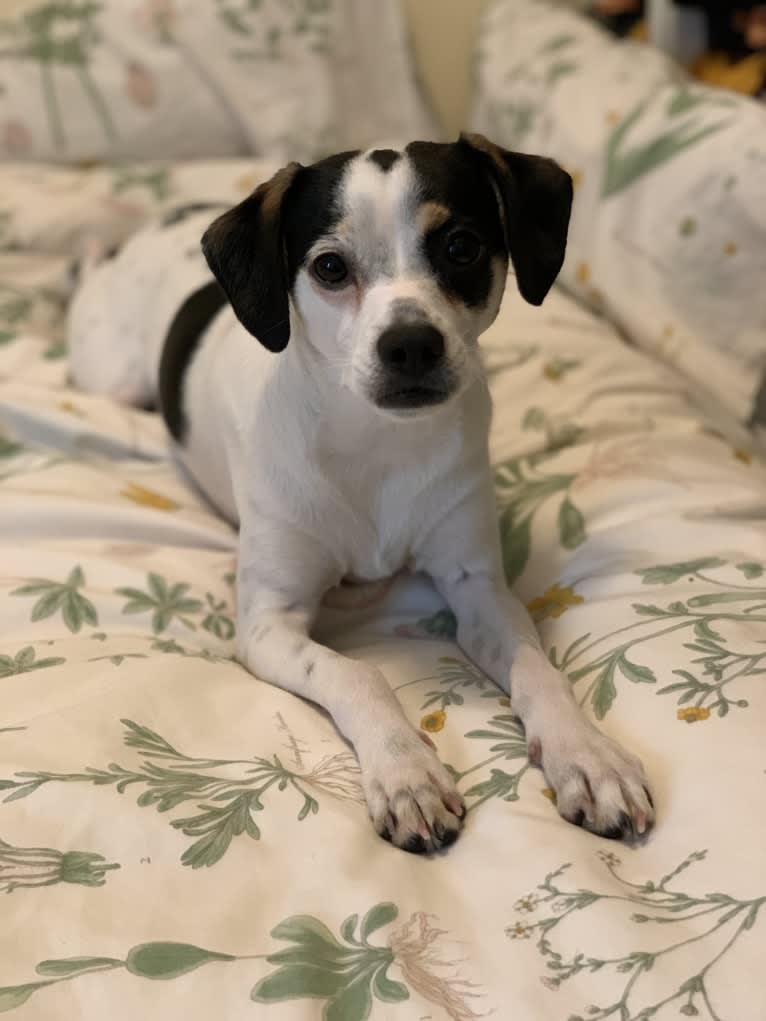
x: 431, y: 215
x: 343, y: 230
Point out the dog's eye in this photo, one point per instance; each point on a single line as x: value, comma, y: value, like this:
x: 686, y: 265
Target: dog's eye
x: 329, y: 268
x: 463, y: 248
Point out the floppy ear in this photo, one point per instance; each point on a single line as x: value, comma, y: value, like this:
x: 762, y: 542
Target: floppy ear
x: 536, y: 196
x: 244, y: 249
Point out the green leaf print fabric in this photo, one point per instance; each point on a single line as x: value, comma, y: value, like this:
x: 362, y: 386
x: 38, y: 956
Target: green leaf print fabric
x: 180, y: 839
x: 668, y: 230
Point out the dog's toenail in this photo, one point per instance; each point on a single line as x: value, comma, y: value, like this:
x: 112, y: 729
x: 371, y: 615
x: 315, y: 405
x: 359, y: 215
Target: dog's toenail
x: 621, y: 830
x: 449, y: 838
x: 455, y: 805
x: 415, y: 844
x: 626, y: 825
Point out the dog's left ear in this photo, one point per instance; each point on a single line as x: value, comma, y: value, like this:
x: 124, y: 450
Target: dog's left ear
x: 536, y: 199
x: 244, y: 249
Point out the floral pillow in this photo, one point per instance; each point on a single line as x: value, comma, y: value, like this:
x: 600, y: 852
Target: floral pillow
x: 158, y: 79
x: 668, y: 232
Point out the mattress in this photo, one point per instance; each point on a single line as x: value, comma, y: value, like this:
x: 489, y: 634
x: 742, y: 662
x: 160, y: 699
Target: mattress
x: 180, y: 839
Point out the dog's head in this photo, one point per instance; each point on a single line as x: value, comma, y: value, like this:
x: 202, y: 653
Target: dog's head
x: 393, y: 263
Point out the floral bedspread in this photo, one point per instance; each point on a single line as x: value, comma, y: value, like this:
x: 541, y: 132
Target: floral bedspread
x: 179, y: 839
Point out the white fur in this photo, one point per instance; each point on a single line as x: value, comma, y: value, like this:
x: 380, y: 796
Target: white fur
x: 326, y: 486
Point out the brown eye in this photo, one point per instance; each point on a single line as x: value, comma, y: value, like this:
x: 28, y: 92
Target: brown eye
x: 463, y: 248
x: 330, y: 269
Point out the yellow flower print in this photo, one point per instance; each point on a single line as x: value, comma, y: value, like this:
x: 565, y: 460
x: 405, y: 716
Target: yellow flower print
x: 691, y: 714
x: 433, y: 722
x: 71, y: 409
x: 743, y: 455
x: 730, y: 248
x: 556, y: 368
x: 554, y: 602
x: 549, y: 793
x: 519, y: 931
x: 148, y: 498
x: 582, y: 273
x: 527, y: 903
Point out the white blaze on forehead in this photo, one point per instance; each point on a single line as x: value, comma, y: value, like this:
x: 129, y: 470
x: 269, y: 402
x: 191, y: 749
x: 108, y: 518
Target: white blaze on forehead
x: 378, y: 220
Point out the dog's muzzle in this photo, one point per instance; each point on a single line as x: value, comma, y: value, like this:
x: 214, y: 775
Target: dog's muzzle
x: 413, y: 367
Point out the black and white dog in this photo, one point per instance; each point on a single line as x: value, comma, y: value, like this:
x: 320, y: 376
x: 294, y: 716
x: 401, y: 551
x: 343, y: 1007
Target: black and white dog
x: 362, y: 448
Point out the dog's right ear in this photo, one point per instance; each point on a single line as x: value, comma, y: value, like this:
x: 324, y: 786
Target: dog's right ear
x: 536, y: 197
x: 245, y: 251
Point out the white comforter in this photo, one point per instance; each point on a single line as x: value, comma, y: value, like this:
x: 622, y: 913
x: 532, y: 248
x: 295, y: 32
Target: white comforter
x: 179, y: 839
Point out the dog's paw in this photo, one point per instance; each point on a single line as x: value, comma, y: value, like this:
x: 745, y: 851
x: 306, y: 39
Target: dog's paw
x: 411, y: 796
x: 598, y: 785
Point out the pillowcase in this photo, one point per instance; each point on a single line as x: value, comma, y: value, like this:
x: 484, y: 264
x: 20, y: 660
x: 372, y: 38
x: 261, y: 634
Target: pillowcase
x: 169, y: 79
x: 668, y: 232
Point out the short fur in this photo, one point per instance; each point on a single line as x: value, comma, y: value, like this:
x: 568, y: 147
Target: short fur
x: 360, y: 450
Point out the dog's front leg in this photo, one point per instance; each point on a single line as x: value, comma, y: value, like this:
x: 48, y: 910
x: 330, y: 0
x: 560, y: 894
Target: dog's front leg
x: 597, y: 783
x: 411, y: 797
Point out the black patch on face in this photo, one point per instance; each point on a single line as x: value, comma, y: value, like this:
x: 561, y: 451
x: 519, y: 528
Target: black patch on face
x: 474, y: 178
x: 312, y: 208
x: 181, y: 213
x: 190, y: 322
x: 256, y: 249
x: 450, y: 176
x: 385, y: 158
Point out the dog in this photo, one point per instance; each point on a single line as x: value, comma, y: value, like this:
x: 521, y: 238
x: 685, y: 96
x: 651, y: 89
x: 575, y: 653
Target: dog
x: 320, y: 377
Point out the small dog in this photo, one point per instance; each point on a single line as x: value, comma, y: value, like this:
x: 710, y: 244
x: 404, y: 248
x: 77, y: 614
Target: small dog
x: 361, y: 449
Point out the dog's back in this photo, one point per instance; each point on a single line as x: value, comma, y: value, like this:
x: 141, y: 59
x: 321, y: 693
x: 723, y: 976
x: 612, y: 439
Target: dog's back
x: 126, y: 302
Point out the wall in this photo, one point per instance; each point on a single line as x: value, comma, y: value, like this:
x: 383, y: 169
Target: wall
x: 444, y: 34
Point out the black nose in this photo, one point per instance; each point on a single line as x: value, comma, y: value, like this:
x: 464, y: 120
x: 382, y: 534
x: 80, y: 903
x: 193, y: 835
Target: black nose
x: 411, y: 350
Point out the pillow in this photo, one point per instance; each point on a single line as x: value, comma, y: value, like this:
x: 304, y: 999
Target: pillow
x: 668, y: 232
x: 159, y: 79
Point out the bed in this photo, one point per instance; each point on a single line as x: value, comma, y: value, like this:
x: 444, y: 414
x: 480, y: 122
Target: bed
x: 179, y: 839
